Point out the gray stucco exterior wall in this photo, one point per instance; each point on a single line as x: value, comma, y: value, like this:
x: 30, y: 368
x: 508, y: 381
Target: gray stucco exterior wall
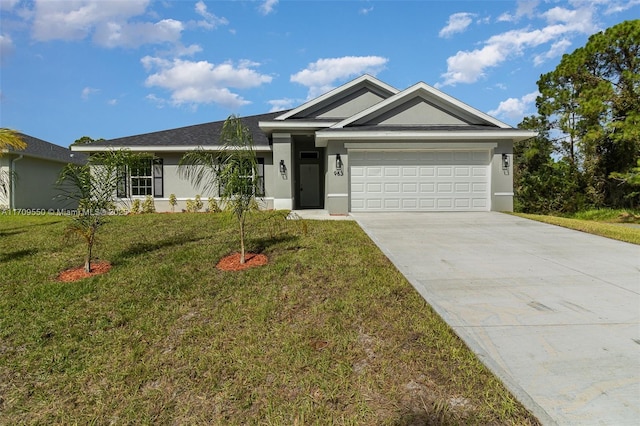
x: 337, y: 181
x: 35, y: 184
x: 502, y: 178
x: 282, y: 183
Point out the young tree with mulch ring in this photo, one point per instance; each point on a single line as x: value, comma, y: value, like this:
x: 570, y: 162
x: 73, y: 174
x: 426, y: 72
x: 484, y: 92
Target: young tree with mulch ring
x: 93, y: 186
x: 233, y: 171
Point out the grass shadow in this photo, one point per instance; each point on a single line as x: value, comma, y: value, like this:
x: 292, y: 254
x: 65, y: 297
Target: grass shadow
x: 19, y: 254
x: 138, y: 249
x: 15, y: 231
x: 258, y: 245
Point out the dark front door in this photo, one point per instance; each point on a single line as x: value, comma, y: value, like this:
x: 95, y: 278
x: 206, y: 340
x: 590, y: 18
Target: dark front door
x: 309, y: 179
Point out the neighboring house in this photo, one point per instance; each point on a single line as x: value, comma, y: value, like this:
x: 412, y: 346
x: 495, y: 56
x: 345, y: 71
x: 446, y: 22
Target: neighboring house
x: 29, y: 176
x: 364, y: 146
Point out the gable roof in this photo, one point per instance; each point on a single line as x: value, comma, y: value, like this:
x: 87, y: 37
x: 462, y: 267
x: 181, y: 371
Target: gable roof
x: 206, y: 135
x: 429, y: 98
x: 38, y: 148
x: 327, y: 106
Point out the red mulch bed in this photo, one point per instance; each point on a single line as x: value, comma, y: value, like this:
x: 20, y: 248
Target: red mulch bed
x: 75, y: 274
x: 232, y: 262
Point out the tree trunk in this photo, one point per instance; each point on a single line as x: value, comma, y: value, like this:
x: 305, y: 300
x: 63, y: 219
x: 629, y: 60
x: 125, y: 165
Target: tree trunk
x: 242, y: 256
x: 87, y: 259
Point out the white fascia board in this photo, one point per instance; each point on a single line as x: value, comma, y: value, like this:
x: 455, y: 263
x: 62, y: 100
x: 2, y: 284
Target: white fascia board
x: 420, y: 146
x: 185, y: 148
x: 515, y: 135
x: 331, y: 93
x: 409, y: 93
x: 271, y: 126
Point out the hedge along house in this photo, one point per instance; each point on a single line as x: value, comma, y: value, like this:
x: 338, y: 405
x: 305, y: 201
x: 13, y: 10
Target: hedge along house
x: 29, y: 176
x: 362, y: 147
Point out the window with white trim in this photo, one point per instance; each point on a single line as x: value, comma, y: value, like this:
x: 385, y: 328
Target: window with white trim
x: 260, y: 190
x: 142, y: 179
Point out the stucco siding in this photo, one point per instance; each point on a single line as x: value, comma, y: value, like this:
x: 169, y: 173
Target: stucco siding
x: 417, y: 112
x: 501, y: 178
x: 336, y: 183
x: 35, y: 186
x: 178, y: 185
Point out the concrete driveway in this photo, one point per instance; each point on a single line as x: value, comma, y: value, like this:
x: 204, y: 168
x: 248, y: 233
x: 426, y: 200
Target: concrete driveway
x: 554, y: 313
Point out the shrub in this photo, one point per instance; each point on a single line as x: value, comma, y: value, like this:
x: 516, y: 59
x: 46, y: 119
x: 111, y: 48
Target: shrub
x: 135, y: 206
x: 148, y: 205
x: 213, y: 206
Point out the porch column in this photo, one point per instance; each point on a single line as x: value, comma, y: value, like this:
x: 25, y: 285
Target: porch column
x: 282, y: 179
x: 337, y: 179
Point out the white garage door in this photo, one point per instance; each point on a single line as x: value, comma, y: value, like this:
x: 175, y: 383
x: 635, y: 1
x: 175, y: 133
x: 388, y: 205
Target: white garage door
x: 419, y: 181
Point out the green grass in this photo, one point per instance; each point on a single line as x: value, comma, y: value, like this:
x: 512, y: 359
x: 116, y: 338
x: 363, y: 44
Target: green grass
x: 615, y: 224
x: 329, y: 332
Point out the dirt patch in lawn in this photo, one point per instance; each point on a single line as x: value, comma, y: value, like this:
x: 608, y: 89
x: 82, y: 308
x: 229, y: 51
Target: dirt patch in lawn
x: 75, y: 274
x: 232, y: 262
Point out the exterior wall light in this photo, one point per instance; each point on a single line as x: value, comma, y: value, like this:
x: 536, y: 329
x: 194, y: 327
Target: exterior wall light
x: 505, y: 162
x: 283, y: 168
x: 338, y: 171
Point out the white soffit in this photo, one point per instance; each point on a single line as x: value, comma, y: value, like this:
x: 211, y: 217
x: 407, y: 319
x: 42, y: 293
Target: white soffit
x: 426, y: 135
x: 332, y: 93
x: 430, y: 94
x: 420, y: 146
x: 160, y: 148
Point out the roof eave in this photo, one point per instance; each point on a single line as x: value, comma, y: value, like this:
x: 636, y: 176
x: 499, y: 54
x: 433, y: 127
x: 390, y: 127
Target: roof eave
x: 166, y: 148
x: 515, y: 135
x: 271, y: 126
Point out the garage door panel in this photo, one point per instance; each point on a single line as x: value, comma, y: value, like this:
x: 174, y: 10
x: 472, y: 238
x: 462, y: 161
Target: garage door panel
x: 427, y: 204
x: 427, y: 188
x: 444, y: 171
x: 391, y: 171
x: 409, y: 203
x: 427, y: 171
x: 462, y: 188
x: 392, y: 203
x: 373, y: 171
x: 419, y: 181
x: 373, y: 188
x: 479, y: 171
x: 409, y: 171
x: 392, y: 188
x: 462, y: 203
x: 410, y: 188
x: 444, y: 188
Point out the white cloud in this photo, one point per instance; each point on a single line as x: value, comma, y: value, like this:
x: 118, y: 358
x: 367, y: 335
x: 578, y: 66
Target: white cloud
x: 365, y: 10
x: 525, y: 8
x: 87, y: 92
x: 320, y: 76
x: 6, y: 46
x: 470, y: 66
x: 281, y: 104
x: 76, y: 19
x: 513, y: 108
x: 202, y: 82
x: 211, y: 21
x: 557, y: 49
x: 613, y: 6
x: 458, y: 22
x: 268, y: 6
x: 114, y: 34
x: 112, y: 102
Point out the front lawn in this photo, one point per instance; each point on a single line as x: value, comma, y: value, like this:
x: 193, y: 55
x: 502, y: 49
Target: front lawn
x: 328, y: 332
x: 615, y: 224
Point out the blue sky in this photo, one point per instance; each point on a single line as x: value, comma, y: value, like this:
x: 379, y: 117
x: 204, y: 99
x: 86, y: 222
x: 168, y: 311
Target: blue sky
x: 112, y: 68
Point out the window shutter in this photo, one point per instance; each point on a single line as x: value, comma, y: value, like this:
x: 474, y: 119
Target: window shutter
x: 158, y: 180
